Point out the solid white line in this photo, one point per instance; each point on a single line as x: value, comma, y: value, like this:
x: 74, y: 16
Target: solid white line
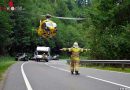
x: 91, y: 77
x: 108, y: 81
x: 25, y: 77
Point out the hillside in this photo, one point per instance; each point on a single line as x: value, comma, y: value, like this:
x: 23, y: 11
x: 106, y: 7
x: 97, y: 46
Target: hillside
x: 105, y: 30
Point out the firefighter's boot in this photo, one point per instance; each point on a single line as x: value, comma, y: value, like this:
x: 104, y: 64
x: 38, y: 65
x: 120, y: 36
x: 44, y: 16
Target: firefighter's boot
x: 77, y: 73
x: 72, y: 72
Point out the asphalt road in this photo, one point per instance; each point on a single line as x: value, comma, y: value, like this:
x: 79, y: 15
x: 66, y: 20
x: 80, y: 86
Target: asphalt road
x: 55, y: 75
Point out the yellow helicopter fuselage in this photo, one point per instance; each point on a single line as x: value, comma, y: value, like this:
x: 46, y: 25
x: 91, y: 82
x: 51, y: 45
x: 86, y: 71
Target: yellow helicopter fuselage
x: 47, y: 28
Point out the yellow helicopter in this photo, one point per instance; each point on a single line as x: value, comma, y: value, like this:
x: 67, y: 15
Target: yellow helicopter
x: 48, y: 28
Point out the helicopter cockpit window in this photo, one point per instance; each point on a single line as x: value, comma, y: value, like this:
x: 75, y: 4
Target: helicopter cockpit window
x: 50, y: 24
x: 54, y: 25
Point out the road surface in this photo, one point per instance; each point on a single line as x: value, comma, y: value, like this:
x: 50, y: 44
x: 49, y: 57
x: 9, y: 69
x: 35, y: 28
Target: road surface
x: 55, y: 75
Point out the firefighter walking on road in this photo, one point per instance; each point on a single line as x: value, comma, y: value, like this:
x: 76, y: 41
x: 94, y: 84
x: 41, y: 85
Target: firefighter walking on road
x: 75, y: 60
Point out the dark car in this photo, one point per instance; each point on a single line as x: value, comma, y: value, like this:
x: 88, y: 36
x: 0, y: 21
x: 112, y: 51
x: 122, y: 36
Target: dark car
x: 21, y: 57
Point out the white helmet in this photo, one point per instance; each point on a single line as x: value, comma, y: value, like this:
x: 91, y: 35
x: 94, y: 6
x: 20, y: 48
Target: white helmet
x: 75, y: 45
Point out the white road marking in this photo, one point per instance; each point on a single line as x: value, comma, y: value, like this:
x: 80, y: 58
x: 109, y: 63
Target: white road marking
x: 57, y: 68
x: 25, y: 77
x: 108, y: 81
x: 91, y: 77
x: 64, y: 63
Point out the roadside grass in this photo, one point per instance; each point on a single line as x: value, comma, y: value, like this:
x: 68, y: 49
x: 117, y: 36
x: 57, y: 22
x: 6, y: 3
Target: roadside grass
x: 110, y: 68
x: 5, y: 62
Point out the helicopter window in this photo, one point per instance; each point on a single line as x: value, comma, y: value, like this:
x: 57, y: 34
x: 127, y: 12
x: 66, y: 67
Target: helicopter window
x: 54, y: 25
x: 50, y: 24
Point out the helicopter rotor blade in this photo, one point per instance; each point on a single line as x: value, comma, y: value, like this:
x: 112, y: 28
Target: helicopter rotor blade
x: 42, y: 15
x: 69, y: 18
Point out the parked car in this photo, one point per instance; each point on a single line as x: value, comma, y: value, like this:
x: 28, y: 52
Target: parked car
x: 21, y: 57
x: 55, y: 57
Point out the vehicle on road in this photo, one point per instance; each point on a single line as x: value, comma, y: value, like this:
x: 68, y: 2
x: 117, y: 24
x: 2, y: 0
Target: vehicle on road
x: 55, y: 57
x: 42, y: 53
x: 21, y: 57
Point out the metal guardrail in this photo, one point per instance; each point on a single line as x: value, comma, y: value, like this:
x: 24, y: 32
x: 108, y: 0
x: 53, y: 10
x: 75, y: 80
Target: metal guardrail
x: 104, y: 62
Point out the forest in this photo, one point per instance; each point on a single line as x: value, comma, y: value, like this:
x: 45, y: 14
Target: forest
x: 105, y: 29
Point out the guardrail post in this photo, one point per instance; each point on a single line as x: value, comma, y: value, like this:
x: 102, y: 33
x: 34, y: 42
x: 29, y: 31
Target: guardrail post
x: 123, y: 66
x: 103, y: 65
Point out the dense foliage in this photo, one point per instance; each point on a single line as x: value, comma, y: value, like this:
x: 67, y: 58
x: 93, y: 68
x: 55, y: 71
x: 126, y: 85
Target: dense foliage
x: 106, y: 29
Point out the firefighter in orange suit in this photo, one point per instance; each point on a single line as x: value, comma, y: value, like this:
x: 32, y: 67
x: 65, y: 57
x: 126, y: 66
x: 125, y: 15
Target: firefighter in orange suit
x: 75, y: 60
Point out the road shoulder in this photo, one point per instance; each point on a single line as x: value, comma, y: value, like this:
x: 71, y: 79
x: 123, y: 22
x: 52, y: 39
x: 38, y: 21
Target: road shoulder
x: 4, y: 77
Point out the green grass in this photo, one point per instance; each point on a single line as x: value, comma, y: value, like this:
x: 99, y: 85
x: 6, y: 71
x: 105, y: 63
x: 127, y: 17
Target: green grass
x: 5, y: 62
x: 111, y: 68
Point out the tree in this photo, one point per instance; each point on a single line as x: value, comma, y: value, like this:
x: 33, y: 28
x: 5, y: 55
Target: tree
x: 108, y: 22
x: 5, y: 30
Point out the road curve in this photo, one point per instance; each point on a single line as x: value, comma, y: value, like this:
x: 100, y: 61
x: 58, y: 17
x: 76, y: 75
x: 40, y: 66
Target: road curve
x: 55, y: 75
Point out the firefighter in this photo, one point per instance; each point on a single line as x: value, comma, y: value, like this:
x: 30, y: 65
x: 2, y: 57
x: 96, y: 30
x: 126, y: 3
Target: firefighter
x: 75, y: 60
